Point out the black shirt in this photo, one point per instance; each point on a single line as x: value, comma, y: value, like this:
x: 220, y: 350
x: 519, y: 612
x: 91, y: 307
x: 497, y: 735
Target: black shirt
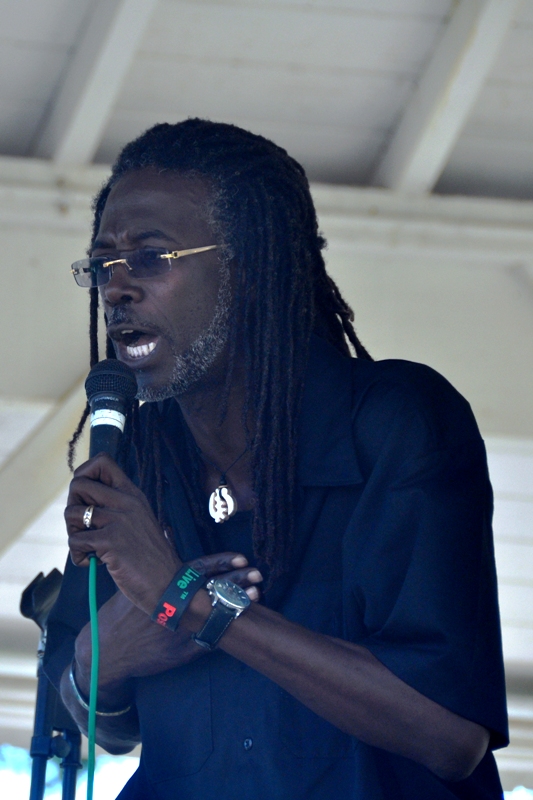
x: 393, y: 552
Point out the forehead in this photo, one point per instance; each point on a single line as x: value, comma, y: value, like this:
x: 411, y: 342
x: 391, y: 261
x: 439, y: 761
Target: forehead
x: 146, y: 199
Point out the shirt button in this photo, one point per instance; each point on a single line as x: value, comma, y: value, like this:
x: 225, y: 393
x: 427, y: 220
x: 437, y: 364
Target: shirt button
x: 247, y: 744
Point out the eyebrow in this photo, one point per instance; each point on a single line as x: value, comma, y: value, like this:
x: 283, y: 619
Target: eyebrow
x: 155, y: 233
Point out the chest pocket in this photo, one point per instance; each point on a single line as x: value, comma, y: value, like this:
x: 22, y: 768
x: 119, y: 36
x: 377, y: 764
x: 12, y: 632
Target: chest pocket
x: 175, y: 716
x: 317, y: 604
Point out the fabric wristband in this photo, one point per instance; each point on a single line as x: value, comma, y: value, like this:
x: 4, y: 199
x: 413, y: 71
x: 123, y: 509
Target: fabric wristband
x: 175, y: 599
x: 84, y: 704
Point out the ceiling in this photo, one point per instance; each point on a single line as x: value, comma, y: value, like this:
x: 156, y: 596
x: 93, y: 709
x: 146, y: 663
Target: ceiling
x: 331, y: 80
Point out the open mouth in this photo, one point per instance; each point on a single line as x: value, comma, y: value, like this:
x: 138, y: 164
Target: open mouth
x: 134, y: 343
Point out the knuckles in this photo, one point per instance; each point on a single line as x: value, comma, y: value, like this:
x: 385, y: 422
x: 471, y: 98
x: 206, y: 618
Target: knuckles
x: 94, y: 464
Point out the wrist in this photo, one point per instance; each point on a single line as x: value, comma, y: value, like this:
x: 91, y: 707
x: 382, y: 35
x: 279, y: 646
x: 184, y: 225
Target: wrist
x: 199, y: 610
x: 114, y: 689
x: 118, y: 705
x: 177, y: 597
x: 228, y: 602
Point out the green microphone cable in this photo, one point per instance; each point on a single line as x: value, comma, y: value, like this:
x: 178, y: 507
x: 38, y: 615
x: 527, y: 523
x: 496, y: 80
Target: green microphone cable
x: 93, y: 691
x: 111, y: 387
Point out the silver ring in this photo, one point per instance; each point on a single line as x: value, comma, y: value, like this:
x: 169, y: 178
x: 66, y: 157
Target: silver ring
x: 88, y: 516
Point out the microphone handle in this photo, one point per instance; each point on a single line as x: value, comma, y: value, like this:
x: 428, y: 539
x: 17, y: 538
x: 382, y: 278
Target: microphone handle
x: 105, y: 439
x: 107, y: 425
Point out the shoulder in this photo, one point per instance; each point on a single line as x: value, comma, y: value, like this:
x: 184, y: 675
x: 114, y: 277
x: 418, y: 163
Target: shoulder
x: 417, y: 385
x: 411, y: 404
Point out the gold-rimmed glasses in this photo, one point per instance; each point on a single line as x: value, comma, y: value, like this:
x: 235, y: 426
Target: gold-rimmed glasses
x: 142, y: 264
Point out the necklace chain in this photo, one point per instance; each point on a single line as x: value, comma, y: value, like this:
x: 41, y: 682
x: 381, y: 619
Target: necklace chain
x: 225, y: 472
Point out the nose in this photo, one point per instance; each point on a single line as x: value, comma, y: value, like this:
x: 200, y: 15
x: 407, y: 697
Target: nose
x: 121, y: 287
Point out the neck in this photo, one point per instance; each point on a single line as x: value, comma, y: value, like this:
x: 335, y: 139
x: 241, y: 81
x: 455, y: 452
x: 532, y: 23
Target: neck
x: 221, y: 443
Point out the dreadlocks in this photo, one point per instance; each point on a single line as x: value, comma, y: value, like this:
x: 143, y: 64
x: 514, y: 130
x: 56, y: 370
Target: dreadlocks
x: 264, y: 216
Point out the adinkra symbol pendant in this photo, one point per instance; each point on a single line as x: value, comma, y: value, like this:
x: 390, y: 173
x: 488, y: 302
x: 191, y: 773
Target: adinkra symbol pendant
x: 222, y: 503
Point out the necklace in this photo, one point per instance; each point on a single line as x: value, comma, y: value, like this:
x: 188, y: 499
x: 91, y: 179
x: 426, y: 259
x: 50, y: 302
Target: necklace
x: 222, y: 501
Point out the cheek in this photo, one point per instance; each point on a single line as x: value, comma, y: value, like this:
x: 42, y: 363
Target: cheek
x: 186, y: 304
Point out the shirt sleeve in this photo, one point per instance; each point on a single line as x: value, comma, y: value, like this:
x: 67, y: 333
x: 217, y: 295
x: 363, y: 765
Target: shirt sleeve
x: 419, y: 564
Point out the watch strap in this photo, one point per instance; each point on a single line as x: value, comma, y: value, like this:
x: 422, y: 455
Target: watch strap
x: 215, y: 626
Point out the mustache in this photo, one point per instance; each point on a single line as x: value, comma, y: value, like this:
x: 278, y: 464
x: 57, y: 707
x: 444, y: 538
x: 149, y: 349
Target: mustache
x: 121, y: 315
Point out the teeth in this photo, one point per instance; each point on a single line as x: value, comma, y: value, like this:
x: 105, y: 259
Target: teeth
x: 140, y: 350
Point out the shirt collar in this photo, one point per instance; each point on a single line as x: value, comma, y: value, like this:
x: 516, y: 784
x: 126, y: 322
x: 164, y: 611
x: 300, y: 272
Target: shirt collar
x: 326, y: 449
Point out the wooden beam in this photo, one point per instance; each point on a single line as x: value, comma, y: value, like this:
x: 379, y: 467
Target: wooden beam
x: 84, y: 102
x: 445, y: 95
x: 37, y: 471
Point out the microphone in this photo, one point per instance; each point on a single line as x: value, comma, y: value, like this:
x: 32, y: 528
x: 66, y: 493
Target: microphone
x: 111, y: 387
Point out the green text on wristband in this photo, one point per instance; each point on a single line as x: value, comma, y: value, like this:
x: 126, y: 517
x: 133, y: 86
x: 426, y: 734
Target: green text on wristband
x: 177, y: 597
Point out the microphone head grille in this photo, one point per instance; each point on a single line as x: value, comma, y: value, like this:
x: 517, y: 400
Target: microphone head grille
x: 114, y: 377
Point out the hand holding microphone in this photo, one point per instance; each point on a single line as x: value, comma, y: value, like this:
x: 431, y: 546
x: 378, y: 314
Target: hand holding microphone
x: 106, y: 513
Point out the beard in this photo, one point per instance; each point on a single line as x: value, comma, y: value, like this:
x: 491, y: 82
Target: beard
x: 195, y: 362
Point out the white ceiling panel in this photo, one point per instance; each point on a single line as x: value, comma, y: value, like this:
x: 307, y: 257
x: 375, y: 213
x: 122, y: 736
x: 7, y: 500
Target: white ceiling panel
x: 504, y: 111
x: 19, y: 119
x: 489, y: 167
x: 28, y: 72
x: 526, y: 13
x: 390, y: 8
x: 291, y: 35
x: 53, y: 22
x: 515, y: 62
x: 263, y: 92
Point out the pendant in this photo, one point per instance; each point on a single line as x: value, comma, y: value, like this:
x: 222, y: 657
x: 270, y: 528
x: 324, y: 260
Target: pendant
x: 222, y: 503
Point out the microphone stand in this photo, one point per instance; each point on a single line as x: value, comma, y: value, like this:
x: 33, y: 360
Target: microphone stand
x: 50, y: 713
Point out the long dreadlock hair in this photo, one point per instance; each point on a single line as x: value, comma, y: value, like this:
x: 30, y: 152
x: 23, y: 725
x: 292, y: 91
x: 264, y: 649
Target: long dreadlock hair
x: 265, y: 218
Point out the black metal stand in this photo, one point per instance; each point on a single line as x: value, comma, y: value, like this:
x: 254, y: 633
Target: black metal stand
x: 50, y: 713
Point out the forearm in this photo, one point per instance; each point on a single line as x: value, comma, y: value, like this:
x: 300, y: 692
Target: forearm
x: 116, y: 734
x: 348, y: 686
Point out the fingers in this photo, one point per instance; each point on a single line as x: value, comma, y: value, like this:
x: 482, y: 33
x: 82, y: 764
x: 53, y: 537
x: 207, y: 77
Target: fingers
x: 218, y: 562
x: 103, y: 513
x: 246, y: 579
x: 224, y: 565
x: 102, y: 469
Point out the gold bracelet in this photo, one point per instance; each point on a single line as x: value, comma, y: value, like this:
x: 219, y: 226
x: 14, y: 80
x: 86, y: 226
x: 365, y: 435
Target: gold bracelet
x: 83, y: 704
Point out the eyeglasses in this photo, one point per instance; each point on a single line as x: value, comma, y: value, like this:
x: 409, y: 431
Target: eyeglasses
x: 141, y: 264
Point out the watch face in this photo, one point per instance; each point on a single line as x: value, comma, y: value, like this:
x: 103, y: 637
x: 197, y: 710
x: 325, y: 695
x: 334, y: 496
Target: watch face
x: 230, y: 594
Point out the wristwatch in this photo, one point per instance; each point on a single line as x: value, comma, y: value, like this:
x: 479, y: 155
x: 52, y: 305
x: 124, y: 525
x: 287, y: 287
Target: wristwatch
x: 229, y: 601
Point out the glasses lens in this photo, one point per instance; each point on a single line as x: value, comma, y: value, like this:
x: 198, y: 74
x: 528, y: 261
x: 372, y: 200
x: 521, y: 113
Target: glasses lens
x: 145, y: 263
x: 148, y: 262
x: 89, y: 272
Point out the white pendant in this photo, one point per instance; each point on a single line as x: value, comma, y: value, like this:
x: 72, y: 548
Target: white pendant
x: 222, y: 503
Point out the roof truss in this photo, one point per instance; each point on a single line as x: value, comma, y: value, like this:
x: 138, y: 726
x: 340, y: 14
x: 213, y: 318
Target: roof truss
x: 92, y: 81
x: 445, y: 95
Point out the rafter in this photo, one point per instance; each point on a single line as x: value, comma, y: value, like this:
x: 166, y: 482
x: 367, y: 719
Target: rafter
x: 445, y: 94
x: 92, y: 81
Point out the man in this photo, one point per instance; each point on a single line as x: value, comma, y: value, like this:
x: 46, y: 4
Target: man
x: 371, y: 667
